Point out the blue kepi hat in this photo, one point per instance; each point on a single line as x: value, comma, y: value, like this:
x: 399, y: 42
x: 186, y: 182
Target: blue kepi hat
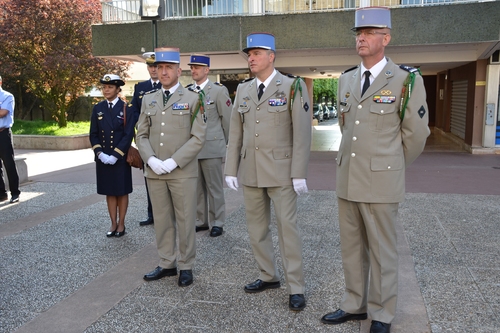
x: 260, y: 40
x: 372, y: 17
x: 167, y: 54
x: 199, y: 59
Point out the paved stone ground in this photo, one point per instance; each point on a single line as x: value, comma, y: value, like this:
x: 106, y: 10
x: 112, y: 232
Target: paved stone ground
x: 59, y: 273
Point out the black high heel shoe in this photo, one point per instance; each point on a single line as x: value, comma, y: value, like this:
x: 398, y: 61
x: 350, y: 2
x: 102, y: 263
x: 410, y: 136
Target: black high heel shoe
x: 120, y: 233
x: 111, y: 233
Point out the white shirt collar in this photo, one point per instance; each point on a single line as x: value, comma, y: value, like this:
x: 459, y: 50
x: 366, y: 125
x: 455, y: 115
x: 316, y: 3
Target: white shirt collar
x: 202, y: 86
x: 172, y: 90
x: 114, y: 101
x: 374, y: 71
x: 267, y: 82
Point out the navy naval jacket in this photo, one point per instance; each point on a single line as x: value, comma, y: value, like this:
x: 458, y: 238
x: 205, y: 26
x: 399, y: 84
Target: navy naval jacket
x: 108, y: 133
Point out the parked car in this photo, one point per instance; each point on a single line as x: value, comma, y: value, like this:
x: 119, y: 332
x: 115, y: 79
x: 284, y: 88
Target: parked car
x: 326, y: 112
x: 318, y: 112
x: 333, y: 112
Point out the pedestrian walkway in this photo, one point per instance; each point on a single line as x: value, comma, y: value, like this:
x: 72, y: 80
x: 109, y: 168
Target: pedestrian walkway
x: 59, y: 273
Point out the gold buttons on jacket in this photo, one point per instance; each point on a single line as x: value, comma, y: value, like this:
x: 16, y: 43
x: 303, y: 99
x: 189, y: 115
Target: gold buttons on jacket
x: 257, y: 121
x: 258, y: 109
x: 353, y: 155
x: 360, y: 106
x: 161, y: 143
x: 256, y: 148
x: 354, y: 138
x: 256, y: 134
x: 357, y: 122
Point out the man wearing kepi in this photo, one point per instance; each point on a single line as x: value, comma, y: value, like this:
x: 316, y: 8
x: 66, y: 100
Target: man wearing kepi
x: 383, y: 119
x: 170, y: 134
x: 269, y: 143
x: 211, y: 203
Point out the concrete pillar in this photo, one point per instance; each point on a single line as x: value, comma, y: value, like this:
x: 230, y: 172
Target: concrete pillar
x: 491, y: 97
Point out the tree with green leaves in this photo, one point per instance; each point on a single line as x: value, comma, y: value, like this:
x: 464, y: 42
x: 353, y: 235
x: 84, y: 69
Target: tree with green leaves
x: 47, y: 51
x: 325, y: 90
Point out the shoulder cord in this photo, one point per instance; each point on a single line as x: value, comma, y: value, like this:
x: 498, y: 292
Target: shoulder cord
x: 406, y: 92
x: 200, y: 107
x: 293, y: 91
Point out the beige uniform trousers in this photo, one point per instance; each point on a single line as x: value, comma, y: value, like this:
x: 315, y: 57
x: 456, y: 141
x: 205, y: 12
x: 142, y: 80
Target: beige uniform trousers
x: 258, y: 214
x: 369, y: 258
x: 211, y: 203
x: 174, y: 212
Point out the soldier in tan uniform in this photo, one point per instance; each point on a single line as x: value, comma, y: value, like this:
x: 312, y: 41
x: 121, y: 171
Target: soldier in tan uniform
x: 269, y: 144
x: 218, y: 105
x: 170, y: 134
x: 384, y: 130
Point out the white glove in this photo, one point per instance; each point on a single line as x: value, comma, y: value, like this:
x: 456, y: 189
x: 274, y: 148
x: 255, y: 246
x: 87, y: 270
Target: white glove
x: 104, y: 158
x: 232, y: 182
x: 112, y: 160
x: 299, y: 185
x: 169, y: 164
x: 157, y: 165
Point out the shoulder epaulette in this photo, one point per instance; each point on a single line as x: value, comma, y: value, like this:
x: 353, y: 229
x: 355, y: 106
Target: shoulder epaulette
x: 292, y: 76
x: 151, y: 91
x: 218, y: 84
x: 189, y: 85
x: 409, y: 69
x: 350, y: 69
x: 193, y: 89
x: 246, y: 80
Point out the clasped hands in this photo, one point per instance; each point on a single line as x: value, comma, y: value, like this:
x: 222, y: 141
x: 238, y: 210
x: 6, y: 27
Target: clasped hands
x: 107, y: 159
x: 161, y: 167
x: 299, y: 184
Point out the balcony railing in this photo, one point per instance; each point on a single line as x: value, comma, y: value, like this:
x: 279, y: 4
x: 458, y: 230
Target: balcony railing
x: 123, y: 11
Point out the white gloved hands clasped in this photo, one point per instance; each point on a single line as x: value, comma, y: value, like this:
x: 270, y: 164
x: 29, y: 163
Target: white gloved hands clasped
x: 169, y: 164
x: 232, y: 182
x: 112, y: 160
x: 104, y: 158
x: 299, y: 185
x: 157, y: 165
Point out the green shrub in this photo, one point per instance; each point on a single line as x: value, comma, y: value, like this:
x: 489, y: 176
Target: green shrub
x: 40, y: 127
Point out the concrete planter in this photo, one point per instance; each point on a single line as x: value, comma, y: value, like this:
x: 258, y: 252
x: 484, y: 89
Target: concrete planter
x: 50, y: 142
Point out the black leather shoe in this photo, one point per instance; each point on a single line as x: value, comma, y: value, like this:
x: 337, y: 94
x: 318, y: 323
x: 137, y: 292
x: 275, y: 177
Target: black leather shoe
x: 380, y: 327
x: 160, y: 272
x: 297, y: 302
x: 258, y: 285
x: 14, y: 198
x: 147, y: 222
x: 216, y: 231
x: 339, y: 317
x: 185, y: 278
x: 201, y: 228
x: 111, y: 233
x: 120, y: 233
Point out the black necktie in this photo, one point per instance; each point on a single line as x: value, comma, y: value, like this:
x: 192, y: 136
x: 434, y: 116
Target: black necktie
x: 366, y: 84
x: 166, y: 96
x: 155, y: 85
x: 261, y: 90
x: 110, y: 105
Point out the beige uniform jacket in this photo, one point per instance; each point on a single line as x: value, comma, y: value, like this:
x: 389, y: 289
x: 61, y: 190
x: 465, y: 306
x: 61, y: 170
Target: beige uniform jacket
x: 218, y: 107
x: 376, y: 144
x: 166, y: 132
x: 268, y: 144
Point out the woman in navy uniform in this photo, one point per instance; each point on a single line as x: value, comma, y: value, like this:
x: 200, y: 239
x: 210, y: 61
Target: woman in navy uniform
x: 110, y: 137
